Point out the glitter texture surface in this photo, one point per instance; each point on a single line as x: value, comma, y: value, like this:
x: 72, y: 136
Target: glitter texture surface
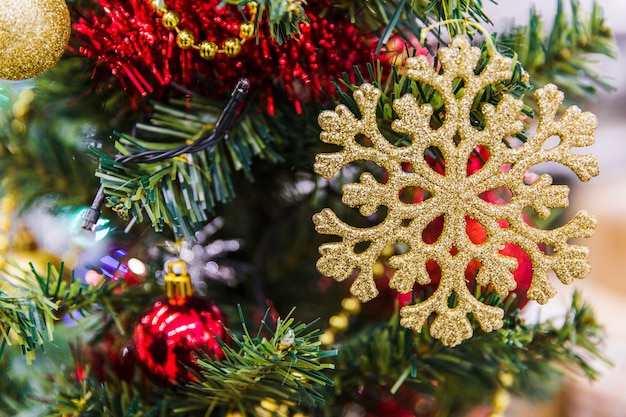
x: 33, y: 36
x: 455, y: 195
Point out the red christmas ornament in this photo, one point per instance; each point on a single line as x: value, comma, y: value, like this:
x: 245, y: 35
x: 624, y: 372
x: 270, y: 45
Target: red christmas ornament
x: 397, y: 50
x: 110, y: 356
x: 175, y: 327
x: 391, y: 407
x: 404, y: 403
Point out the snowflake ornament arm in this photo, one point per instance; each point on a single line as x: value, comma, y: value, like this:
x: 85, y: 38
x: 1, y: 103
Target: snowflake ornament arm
x: 454, y: 194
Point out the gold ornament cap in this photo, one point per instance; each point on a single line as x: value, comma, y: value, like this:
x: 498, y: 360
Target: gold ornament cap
x: 33, y: 36
x: 177, y: 283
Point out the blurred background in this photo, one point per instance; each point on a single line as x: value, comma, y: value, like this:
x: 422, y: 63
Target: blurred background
x: 605, y: 197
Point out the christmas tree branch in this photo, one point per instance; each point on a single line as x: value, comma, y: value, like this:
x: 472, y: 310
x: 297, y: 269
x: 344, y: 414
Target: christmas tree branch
x: 39, y: 154
x: 258, y: 377
x: 285, y: 368
x: 411, y: 16
x: 282, y: 17
x: 176, y: 168
x: 401, y: 357
x: 562, y: 57
x: 31, y: 302
x: 87, y: 395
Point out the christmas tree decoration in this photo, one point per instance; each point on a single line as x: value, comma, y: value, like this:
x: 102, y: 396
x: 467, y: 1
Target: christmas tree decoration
x: 477, y: 235
x: 33, y: 36
x: 205, y: 256
x: 224, y: 180
x: 144, y: 52
x: 116, y: 265
x: 455, y: 195
x: 351, y: 306
x: 177, y: 328
x: 207, y: 49
x: 111, y: 356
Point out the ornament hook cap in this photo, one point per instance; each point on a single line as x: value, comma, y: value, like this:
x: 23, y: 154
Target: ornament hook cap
x: 177, y: 283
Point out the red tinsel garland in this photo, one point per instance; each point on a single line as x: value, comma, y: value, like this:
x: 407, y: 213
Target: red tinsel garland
x: 126, y: 38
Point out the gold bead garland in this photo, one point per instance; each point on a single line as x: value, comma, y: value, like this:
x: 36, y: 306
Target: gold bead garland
x: 502, y: 398
x: 339, y: 322
x: 170, y: 19
x: 185, y: 39
x: 207, y: 49
x: 351, y: 306
x: 269, y: 407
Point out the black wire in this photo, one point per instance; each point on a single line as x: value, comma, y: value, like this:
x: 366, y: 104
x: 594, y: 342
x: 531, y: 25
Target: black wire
x: 227, y: 120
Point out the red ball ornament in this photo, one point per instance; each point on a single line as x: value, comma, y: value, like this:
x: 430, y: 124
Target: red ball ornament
x: 477, y: 235
x: 174, y: 328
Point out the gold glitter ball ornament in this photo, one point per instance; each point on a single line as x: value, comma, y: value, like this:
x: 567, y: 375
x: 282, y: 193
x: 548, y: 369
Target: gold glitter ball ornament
x: 33, y: 36
x: 456, y: 195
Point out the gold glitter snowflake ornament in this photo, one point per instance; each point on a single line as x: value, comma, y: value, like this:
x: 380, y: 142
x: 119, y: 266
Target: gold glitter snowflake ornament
x: 455, y: 195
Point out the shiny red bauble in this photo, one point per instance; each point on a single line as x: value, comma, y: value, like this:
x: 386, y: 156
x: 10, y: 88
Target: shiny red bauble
x: 168, y: 334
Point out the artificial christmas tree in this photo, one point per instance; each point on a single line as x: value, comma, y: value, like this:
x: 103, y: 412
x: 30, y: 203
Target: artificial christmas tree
x: 202, y: 123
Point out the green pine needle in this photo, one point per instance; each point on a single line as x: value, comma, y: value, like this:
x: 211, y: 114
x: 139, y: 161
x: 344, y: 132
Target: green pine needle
x: 470, y: 373
x: 31, y: 303
x: 89, y: 397
x: 284, y: 368
x: 282, y: 16
x: 562, y: 57
x: 181, y: 192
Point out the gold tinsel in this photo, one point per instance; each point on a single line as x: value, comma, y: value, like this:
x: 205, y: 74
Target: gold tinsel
x: 33, y: 36
x: 455, y: 195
